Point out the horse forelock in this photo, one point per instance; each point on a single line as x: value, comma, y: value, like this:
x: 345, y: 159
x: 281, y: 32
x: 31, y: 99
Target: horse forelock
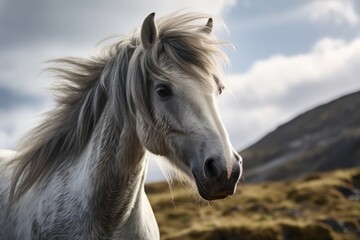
x: 118, y: 76
x: 183, y: 42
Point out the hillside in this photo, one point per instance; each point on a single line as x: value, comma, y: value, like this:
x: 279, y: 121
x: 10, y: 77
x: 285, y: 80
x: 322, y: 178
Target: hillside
x: 320, y: 206
x: 325, y: 138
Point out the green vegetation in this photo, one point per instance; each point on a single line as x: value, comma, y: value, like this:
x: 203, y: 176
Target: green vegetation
x: 319, y: 206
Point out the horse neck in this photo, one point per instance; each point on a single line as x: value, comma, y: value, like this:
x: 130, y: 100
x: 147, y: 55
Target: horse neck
x: 119, y: 169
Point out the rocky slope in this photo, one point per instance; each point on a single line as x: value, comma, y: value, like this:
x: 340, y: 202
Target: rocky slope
x: 322, y: 139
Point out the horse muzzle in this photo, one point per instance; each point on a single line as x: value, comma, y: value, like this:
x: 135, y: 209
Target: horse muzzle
x: 214, y: 180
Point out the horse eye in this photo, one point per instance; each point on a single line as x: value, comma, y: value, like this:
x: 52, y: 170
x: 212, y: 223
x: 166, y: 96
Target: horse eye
x: 163, y: 91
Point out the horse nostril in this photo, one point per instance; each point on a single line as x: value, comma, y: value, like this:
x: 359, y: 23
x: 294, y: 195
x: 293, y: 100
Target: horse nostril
x: 211, y: 169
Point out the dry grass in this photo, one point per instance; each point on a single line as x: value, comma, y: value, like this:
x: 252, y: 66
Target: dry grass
x: 320, y: 206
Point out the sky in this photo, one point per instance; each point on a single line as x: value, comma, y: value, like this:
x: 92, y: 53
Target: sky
x: 287, y: 56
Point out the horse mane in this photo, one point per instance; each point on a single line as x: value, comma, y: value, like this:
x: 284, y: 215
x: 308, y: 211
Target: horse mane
x: 118, y: 76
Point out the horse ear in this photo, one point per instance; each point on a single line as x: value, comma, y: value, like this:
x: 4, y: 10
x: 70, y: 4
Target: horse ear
x: 149, y: 31
x: 209, y: 26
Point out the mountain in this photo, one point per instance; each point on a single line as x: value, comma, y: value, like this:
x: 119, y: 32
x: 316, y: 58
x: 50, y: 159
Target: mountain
x: 322, y: 139
x: 320, y: 206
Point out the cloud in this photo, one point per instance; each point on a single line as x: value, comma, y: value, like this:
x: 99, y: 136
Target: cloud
x: 9, y: 99
x: 16, y: 122
x: 329, y: 58
x: 44, y: 22
x: 32, y: 33
x: 264, y: 14
x: 276, y: 89
x: 331, y: 11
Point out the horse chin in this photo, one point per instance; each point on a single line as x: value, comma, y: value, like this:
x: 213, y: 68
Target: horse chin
x: 204, y: 192
x: 210, y: 197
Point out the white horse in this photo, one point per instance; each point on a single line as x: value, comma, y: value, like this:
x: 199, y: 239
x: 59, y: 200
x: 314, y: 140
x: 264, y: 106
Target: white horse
x: 80, y: 174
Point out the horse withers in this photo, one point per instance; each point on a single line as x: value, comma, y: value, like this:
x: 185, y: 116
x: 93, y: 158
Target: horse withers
x: 80, y: 174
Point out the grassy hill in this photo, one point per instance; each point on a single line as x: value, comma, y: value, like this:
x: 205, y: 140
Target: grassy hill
x: 322, y: 139
x: 319, y: 206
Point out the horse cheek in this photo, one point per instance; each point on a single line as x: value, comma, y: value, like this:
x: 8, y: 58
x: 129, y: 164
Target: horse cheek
x: 152, y: 140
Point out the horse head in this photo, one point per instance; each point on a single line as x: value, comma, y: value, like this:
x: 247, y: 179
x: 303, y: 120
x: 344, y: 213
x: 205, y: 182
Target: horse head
x: 177, y: 117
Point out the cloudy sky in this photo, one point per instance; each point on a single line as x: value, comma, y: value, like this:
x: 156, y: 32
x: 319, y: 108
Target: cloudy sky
x: 288, y: 56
